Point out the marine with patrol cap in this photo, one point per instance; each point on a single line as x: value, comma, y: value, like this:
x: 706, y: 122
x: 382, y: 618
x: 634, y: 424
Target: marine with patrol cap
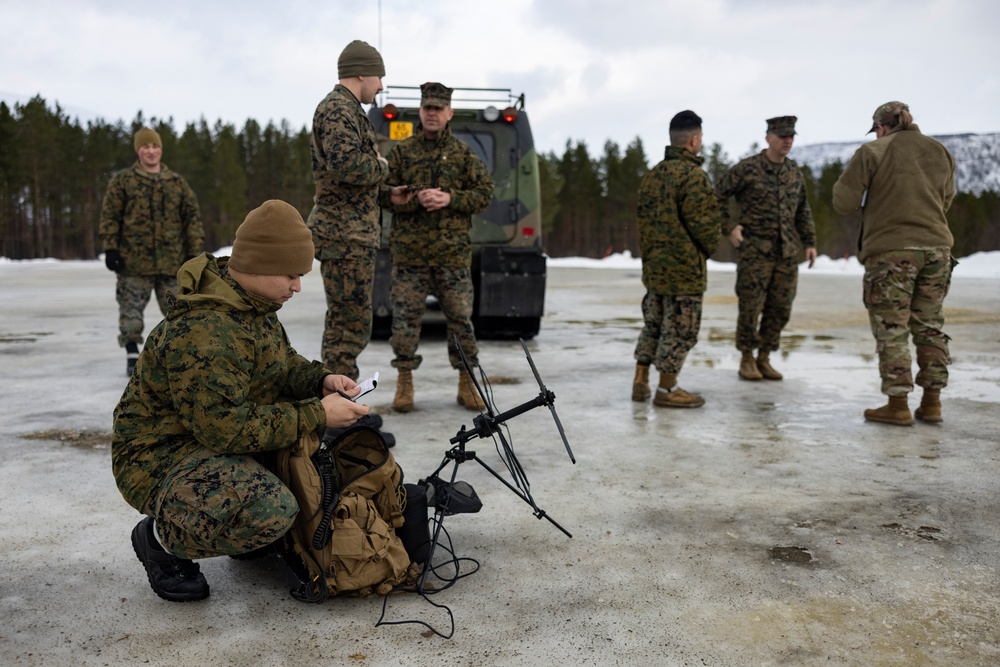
x: 429, y: 242
x: 905, y: 246
x: 775, y: 227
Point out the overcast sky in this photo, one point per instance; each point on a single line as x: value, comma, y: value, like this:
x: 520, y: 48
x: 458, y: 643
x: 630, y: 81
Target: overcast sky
x: 591, y: 71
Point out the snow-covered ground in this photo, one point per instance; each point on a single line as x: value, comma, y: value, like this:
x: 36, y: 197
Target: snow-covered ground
x: 978, y: 265
x: 774, y: 526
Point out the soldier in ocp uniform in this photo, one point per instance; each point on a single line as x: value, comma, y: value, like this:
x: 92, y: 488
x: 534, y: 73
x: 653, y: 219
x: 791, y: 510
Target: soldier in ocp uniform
x: 678, y: 220
x: 150, y: 225
x: 429, y: 242
x: 905, y: 245
x: 348, y: 171
x: 217, y: 384
x: 775, y: 226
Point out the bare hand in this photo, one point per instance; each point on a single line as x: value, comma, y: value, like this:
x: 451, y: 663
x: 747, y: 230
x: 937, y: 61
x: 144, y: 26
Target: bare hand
x: 811, y: 256
x: 340, y: 411
x: 433, y: 199
x: 337, y: 383
x: 736, y: 236
x: 401, y: 195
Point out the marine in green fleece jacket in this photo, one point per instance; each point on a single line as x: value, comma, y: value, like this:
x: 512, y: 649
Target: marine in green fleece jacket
x: 904, y: 183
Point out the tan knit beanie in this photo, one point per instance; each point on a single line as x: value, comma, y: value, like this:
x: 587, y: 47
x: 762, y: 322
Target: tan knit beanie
x: 273, y: 241
x: 146, y: 136
x: 359, y: 59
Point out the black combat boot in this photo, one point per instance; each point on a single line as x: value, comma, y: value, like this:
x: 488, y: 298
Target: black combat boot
x: 131, y: 356
x: 172, y: 578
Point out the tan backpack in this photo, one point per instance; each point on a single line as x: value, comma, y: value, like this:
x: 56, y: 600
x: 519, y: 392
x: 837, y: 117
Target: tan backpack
x: 351, y: 502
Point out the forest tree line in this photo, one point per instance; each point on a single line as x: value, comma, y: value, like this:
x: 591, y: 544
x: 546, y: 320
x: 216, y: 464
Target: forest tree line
x: 53, y: 173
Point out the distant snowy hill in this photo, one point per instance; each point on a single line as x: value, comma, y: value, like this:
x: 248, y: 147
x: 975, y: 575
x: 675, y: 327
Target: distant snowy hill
x: 977, y: 158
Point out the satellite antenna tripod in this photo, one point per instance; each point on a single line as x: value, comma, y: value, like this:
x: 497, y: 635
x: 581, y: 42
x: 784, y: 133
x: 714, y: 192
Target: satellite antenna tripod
x: 458, y: 497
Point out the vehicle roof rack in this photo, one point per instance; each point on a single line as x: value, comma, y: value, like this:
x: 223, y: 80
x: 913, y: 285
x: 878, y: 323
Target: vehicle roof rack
x: 409, y: 96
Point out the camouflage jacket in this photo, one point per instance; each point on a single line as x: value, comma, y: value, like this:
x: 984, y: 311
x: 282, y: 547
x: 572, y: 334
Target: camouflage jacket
x: 774, y: 210
x: 152, y: 219
x: 217, y: 376
x: 436, y: 238
x: 678, y: 220
x: 348, y: 173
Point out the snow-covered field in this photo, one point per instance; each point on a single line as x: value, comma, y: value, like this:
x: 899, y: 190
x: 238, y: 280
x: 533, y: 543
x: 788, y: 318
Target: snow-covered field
x: 978, y: 265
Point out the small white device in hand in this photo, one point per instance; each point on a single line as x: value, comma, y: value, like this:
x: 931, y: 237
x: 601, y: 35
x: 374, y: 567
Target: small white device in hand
x: 367, y: 386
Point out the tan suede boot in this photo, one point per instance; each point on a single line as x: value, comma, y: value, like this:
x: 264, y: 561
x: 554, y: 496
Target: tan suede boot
x: 403, y: 401
x: 668, y: 395
x: 765, y: 368
x: 896, y: 411
x: 748, y: 367
x: 930, y: 406
x: 467, y: 394
x: 640, y: 385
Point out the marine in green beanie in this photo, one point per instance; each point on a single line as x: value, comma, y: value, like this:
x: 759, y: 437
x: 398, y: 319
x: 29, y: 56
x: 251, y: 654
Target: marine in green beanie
x: 348, y: 172
x: 217, y: 384
x: 150, y: 224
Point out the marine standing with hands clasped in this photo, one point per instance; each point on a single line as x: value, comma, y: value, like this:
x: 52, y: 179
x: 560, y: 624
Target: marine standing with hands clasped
x: 678, y: 220
x: 150, y: 225
x: 429, y: 242
x: 775, y: 225
x: 216, y: 385
x: 904, y: 182
x: 348, y: 171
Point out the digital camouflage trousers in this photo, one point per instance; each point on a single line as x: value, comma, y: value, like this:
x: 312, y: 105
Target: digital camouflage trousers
x: 669, y: 331
x: 132, y: 293
x: 766, y: 288
x: 221, y: 506
x: 454, y: 291
x: 348, y: 325
x: 904, y: 292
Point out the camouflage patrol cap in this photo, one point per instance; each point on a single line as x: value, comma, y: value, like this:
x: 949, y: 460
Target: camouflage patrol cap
x: 359, y: 59
x: 146, y: 136
x: 685, y: 120
x: 783, y: 126
x: 273, y: 240
x: 886, y: 114
x: 435, y: 95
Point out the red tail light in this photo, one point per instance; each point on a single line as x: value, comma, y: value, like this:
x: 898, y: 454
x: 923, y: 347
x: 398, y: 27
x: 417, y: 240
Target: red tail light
x: 390, y: 112
x: 528, y: 231
x: 509, y: 114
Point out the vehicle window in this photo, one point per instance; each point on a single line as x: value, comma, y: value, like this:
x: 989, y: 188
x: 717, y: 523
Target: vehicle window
x: 482, y: 143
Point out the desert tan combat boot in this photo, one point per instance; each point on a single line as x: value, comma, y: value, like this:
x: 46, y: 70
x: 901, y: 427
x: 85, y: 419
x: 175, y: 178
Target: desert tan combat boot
x: 748, y: 367
x: 403, y: 401
x: 896, y: 411
x: 467, y: 394
x: 930, y: 406
x: 640, y: 385
x: 765, y: 368
x: 669, y: 395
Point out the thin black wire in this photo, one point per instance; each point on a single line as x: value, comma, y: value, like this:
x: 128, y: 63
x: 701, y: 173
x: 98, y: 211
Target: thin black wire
x: 450, y: 580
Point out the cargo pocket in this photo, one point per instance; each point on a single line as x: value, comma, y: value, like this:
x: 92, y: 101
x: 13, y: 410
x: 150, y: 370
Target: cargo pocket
x: 874, y: 286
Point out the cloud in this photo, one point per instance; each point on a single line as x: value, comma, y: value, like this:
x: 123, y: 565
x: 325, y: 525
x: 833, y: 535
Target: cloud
x: 590, y: 69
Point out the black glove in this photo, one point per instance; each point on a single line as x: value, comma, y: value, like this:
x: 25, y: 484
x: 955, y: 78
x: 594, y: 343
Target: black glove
x: 113, y: 260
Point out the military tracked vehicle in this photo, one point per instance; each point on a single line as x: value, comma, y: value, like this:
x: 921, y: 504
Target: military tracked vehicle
x: 508, y: 266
